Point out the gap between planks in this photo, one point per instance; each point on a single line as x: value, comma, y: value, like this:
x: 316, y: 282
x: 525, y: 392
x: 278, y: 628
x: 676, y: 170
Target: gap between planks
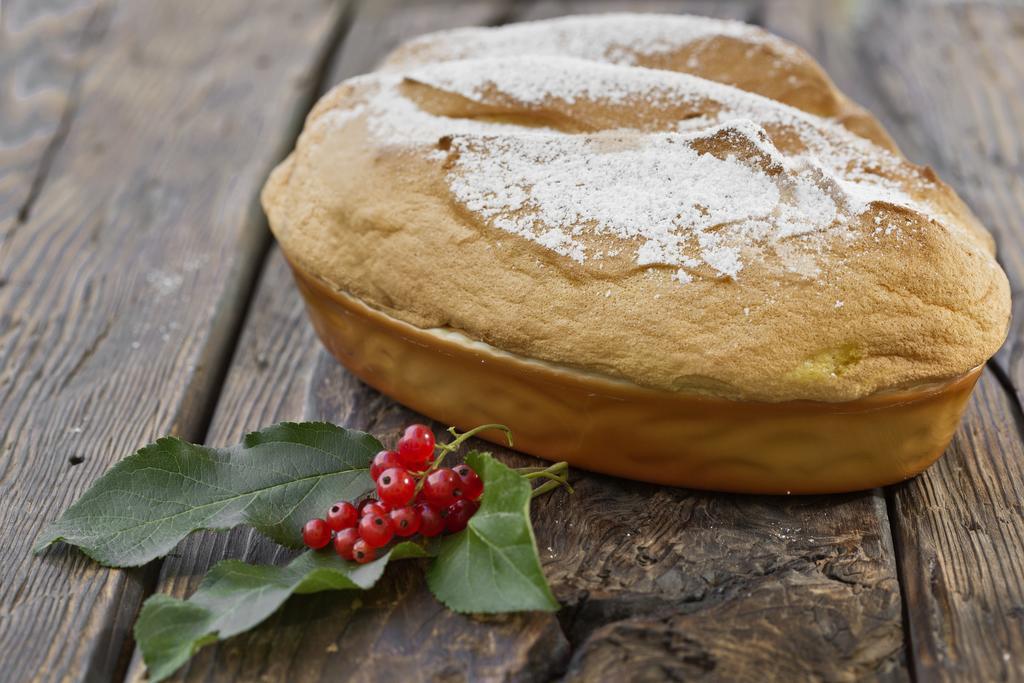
x: 249, y: 282
x: 953, y: 527
x: 78, y: 286
x: 278, y: 350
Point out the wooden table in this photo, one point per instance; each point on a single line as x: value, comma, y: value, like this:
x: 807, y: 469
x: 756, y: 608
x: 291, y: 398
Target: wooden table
x: 140, y: 294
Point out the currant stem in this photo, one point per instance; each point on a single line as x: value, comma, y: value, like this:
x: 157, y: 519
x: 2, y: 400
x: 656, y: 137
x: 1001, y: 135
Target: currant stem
x: 544, y: 488
x: 533, y: 472
x: 453, y: 445
x: 553, y: 474
x: 459, y: 439
x: 555, y: 479
x: 544, y: 474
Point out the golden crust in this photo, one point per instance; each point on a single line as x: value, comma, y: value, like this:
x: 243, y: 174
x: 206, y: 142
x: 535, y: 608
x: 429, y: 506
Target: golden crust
x: 866, y: 274
x: 730, y: 52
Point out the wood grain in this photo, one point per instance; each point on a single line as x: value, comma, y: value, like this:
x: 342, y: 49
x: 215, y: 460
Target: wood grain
x: 280, y: 372
x: 654, y: 581
x: 756, y: 588
x: 123, y: 282
x: 960, y: 531
x: 45, y: 47
x: 946, y: 80
x: 742, y: 10
x: 719, y: 587
x: 383, y: 24
x: 618, y: 553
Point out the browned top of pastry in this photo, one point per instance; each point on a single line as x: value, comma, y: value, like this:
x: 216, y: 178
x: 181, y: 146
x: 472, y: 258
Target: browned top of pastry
x: 685, y: 203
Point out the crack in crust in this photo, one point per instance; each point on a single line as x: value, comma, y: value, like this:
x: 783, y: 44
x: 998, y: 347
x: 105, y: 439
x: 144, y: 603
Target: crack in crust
x: 684, y: 203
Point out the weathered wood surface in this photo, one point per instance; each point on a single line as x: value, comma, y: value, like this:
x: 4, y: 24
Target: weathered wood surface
x: 960, y: 533
x: 946, y: 80
x: 381, y: 25
x: 686, y: 557
x: 657, y: 583
x: 654, y: 581
x: 38, y: 91
x: 742, y: 10
x: 134, y: 138
x: 281, y: 372
x: 742, y: 588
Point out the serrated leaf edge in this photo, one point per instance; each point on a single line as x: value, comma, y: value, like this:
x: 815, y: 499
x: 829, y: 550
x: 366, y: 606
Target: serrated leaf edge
x: 46, y: 536
x: 544, y: 593
x: 406, y: 550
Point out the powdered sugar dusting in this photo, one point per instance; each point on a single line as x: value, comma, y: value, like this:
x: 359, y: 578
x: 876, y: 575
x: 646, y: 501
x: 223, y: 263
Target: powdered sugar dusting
x: 396, y: 120
x: 619, y: 38
x: 553, y: 189
x: 705, y: 193
x: 536, y: 79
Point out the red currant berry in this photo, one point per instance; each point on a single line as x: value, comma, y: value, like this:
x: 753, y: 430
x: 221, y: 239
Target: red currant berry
x: 363, y: 552
x: 376, y: 529
x: 431, y: 522
x: 344, y: 541
x: 371, y: 506
x: 405, y: 521
x: 416, y: 447
x: 439, y: 487
x: 316, y: 534
x: 396, y: 487
x: 383, y: 461
x: 469, y: 482
x: 342, y: 515
x: 456, y: 515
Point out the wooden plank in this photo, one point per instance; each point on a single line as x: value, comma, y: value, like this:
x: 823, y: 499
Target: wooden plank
x: 44, y: 47
x: 653, y: 580
x: 699, y: 563
x: 280, y: 372
x: 124, y: 282
x: 742, y: 10
x: 960, y: 533
x: 749, y: 588
x: 947, y: 82
x: 383, y: 24
x: 721, y: 586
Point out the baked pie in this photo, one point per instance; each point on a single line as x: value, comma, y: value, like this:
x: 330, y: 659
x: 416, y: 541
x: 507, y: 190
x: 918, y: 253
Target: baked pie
x: 661, y: 247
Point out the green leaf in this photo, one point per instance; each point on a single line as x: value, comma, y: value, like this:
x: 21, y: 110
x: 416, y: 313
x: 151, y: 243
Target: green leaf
x: 275, y: 480
x: 493, y: 565
x: 236, y: 596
